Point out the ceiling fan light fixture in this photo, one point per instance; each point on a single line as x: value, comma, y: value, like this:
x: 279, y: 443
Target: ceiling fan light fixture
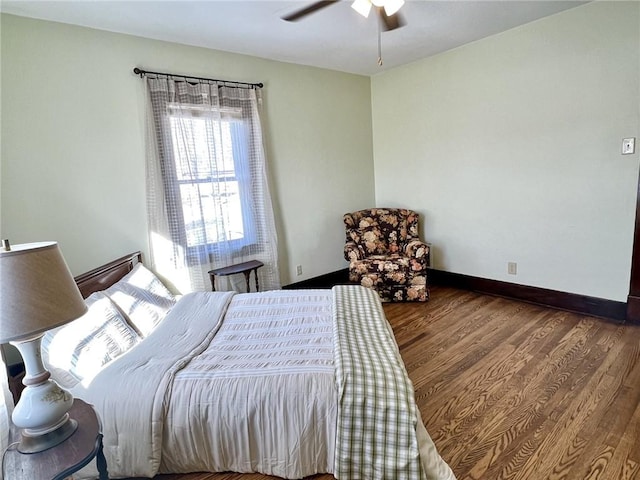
x: 392, y: 6
x: 378, y: 3
x: 363, y: 7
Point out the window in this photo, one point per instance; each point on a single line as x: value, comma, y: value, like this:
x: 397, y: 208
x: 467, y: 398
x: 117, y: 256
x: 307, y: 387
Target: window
x: 212, y: 184
x: 208, y: 201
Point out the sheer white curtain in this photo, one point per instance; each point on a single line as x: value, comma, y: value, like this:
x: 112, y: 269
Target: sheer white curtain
x: 207, y: 195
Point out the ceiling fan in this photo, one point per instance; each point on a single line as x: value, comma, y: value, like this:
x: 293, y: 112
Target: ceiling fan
x: 387, y: 11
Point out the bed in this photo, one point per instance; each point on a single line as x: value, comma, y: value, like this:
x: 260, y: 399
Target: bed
x: 287, y: 383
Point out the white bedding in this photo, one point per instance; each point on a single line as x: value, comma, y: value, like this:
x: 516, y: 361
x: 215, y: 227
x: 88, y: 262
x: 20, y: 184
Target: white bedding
x: 255, y: 392
x: 131, y: 393
x: 262, y: 396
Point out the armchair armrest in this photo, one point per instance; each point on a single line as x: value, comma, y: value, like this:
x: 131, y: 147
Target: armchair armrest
x: 417, y: 249
x: 353, y: 251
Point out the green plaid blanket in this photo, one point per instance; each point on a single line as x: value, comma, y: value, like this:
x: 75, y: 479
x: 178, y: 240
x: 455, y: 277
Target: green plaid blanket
x: 377, y: 414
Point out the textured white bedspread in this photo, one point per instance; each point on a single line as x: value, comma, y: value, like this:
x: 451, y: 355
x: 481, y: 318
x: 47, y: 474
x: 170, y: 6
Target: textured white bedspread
x: 262, y: 396
x: 258, y: 391
x: 131, y: 393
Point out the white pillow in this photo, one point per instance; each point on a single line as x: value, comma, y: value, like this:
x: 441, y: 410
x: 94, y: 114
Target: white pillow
x: 80, y: 349
x: 143, y: 298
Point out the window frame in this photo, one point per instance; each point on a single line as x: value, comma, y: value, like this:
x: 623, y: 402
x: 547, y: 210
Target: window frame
x: 173, y: 183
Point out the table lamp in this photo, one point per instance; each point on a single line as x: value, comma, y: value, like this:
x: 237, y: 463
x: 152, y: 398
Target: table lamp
x: 37, y: 293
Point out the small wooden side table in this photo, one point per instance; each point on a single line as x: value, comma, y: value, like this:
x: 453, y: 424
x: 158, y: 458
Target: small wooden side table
x: 245, y: 267
x: 63, y: 460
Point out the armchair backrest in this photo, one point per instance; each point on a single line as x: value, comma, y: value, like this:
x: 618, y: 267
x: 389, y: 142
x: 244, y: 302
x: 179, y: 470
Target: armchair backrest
x: 381, y: 231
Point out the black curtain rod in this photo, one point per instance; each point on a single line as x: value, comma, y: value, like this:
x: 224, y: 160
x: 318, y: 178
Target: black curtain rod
x: 185, y: 78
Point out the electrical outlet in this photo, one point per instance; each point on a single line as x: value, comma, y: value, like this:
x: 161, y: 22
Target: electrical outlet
x: 299, y: 270
x: 628, y: 146
x: 512, y: 268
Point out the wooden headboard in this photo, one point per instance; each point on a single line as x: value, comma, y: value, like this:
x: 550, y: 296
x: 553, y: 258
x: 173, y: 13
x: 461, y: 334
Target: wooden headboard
x: 106, y: 275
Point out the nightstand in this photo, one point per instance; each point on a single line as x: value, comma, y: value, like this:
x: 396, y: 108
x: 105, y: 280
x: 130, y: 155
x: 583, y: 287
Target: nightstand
x: 64, y: 459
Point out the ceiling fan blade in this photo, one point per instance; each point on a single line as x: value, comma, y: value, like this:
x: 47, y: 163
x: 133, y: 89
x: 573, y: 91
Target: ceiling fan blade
x: 390, y: 22
x: 314, y: 7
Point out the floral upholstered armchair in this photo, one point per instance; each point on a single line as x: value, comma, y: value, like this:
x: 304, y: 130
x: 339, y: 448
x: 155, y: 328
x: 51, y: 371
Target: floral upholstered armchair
x: 385, y: 253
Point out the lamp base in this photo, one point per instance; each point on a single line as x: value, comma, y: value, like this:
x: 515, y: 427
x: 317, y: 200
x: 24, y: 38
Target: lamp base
x: 40, y: 443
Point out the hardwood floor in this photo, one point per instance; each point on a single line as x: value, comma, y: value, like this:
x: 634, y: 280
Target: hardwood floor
x: 510, y: 390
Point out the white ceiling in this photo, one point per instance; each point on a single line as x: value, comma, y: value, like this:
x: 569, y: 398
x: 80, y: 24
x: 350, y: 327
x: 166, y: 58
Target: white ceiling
x: 336, y: 37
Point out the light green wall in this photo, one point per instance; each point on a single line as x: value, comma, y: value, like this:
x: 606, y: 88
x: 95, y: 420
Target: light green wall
x: 511, y: 149
x: 73, y: 143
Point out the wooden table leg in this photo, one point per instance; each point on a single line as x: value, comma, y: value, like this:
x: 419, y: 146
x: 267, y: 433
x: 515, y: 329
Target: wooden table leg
x: 255, y: 272
x: 246, y: 279
x: 213, y: 282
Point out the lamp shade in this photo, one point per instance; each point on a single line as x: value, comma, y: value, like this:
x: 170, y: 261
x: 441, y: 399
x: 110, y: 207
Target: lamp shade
x: 363, y: 7
x: 37, y: 291
x: 392, y: 6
